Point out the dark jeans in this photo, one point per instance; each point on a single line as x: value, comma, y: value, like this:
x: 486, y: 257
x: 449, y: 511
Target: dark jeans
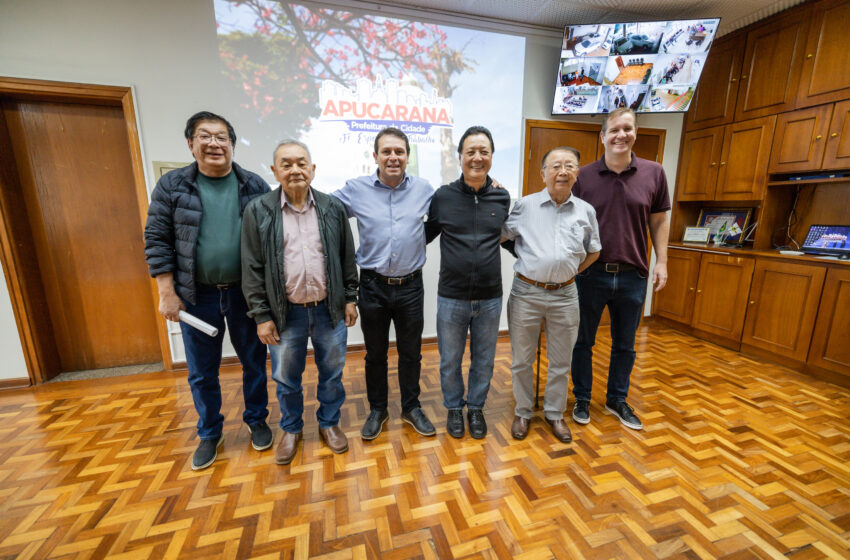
x: 329, y: 344
x: 624, y: 294
x: 203, y: 357
x: 402, y: 305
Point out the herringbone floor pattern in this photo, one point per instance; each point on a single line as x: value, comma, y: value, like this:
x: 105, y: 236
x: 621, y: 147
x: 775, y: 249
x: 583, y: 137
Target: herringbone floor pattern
x: 739, y: 459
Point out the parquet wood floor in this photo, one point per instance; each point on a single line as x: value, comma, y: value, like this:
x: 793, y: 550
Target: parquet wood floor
x: 739, y: 459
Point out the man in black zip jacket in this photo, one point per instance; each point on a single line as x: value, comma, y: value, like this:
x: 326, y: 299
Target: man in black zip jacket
x: 469, y: 214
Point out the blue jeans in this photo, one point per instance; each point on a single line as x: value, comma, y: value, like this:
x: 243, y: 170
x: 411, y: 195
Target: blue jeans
x: 289, y: 359
x: 624, y: 294
x: 203, y: 357
x: 456, y: 318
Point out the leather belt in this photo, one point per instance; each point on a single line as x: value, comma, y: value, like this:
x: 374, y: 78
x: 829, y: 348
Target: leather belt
x: 225, y: 286
x: 392, y: 280
x: 545, y: 285
x: 613, y: 268
x: 308, y: 303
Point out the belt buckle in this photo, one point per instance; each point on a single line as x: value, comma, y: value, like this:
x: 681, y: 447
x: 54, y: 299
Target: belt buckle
x: 394, y: 281
x: 612, y: 268
x: 551, y: 285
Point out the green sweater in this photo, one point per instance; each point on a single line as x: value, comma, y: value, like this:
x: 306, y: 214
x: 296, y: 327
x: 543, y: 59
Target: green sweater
x: 217, y: 253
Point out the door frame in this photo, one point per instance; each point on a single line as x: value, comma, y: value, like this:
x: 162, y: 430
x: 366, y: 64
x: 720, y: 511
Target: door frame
x: 11, y: 248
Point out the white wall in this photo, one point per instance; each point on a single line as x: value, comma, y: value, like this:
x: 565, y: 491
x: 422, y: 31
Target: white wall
x: 168, y: 52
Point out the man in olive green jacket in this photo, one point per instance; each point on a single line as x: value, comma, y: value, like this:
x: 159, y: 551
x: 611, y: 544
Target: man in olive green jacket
x: 300, y: 280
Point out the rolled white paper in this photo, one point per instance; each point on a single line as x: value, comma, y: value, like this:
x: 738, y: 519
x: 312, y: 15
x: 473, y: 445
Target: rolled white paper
x: 202, y: 326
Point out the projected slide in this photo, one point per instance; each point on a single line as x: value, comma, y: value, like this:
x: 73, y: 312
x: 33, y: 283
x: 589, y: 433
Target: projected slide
x: 333, y: 79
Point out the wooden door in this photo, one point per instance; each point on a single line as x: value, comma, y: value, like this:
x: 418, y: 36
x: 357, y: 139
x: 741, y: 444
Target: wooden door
x: 744, y: 159
x: 542, y: 136
x: 826, y: 62
x: 676, y: 300
x: 80, y: 205
x: 699, y: 164
x: 837, y: 153
x: 715, y: 97
x: 721, y: 300
x: 782, y: 308
x: 800, y: 140
x: 830, y: 347
x: 772, y: 64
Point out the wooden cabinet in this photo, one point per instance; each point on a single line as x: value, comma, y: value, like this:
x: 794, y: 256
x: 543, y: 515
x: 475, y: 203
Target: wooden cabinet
x: 837, y: 152
x: 825, y: 75
x: 726, y: 163
x: 721, y: 301
x: 800, y: 140
x: 783, y: 306
x: 676, y: 300
x: 772, y: 63
x: 830, y: 347
x: 707, y: 291
x: 714, y: 101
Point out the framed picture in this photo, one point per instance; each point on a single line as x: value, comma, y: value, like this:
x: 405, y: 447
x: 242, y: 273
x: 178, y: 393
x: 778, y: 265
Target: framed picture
x: 160, y: 168
x: 725, y: 224
x: 696, y: 235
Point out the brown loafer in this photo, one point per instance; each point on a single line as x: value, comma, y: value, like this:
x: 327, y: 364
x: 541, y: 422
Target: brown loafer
x: 286, y: 448
x: 519, y: 429
x: 560, y: 430
x: 335, y: 439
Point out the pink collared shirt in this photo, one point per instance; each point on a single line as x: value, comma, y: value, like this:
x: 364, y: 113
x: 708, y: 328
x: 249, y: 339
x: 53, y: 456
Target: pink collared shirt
x: 303, y: 257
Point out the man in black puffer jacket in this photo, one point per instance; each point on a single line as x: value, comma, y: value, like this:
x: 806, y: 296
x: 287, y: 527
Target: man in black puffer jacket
x: 468, y: 214
x: 192, y: 247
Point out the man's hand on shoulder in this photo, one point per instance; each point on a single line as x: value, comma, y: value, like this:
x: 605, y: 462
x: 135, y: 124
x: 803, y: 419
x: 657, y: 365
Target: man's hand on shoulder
x: 659, y: 276
x: 267, y: 333
x: 350, y: 314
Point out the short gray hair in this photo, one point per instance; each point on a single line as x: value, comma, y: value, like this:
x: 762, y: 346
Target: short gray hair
x: 291, y: 142
x: 561, y: 149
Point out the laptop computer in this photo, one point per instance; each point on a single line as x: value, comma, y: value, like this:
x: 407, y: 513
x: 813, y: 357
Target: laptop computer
x: 827, y: 240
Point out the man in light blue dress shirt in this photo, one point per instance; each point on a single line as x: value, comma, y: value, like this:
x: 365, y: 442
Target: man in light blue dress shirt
x: 556, y: 236
x: 390, y: 207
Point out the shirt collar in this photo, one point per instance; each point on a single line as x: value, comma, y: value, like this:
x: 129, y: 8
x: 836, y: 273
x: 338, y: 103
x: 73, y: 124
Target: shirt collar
x: 546, y: 198
x: 284, y: 203
x: 604, y: 168
x: 376, y: 182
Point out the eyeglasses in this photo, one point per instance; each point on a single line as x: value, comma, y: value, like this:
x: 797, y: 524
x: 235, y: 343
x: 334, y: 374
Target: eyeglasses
x: 208, y: 139
x: 558, y: 166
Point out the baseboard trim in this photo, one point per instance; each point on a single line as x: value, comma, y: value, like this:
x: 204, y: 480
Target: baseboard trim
x: 14, y: 383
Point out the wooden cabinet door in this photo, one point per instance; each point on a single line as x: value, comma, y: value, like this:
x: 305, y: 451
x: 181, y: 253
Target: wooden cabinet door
x: 744, y: 159
x: 771, y: 73
x: 721, y: 301
x: 699, y: 164
x: 542, y: 138
x: 826, y: 61
x: 782, y: 308
x: 831, y: 340
x: 676, y: 300
x: 714, y: 100
x: 837, y: 153
x: 800, y: 139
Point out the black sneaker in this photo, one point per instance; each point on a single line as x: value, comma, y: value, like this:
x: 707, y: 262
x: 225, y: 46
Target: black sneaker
x: 581, y: 412
x: 261, y: 436
x: 374, y: 424
x: 454, y: 423
x: 625, y: 413
x: 477, y: 425
x: 206, y: 453
x: 419, y: 421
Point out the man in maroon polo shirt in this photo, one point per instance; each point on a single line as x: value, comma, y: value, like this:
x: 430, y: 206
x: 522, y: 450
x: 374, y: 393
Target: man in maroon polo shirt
x: 630, y: 197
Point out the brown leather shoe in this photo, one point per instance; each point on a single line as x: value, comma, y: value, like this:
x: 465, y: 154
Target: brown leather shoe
x: 335, y: 439
x: 561, y: 430
x: 286, y: 448
x: 519, y: 429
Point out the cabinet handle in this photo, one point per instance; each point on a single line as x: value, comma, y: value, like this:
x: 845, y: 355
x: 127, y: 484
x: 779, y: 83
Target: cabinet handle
x: 698, y: 291
x: 744, y: 77
x: 734, y: 80
x: 691, y: 289
x: 833, y: 135
x: 819, y: 136
x: 713, y: 163
x: 722, y: 163
x: 752, y: 302
x: 810, y: 55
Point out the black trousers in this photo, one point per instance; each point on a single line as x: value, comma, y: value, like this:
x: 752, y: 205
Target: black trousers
x: 379, y: 305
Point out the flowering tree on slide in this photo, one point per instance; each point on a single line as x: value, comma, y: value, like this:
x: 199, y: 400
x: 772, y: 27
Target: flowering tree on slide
x: 275, y: 70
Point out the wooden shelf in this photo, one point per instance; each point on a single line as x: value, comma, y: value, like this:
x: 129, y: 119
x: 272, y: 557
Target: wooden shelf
x: 812, y: 181
x: 750, y: 252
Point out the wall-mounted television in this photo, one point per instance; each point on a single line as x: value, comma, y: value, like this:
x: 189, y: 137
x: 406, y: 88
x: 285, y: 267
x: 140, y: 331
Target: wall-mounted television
x: 650, y: 66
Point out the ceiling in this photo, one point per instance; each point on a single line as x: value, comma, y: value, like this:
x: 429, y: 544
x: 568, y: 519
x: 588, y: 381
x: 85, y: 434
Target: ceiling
x: 545, y: 17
